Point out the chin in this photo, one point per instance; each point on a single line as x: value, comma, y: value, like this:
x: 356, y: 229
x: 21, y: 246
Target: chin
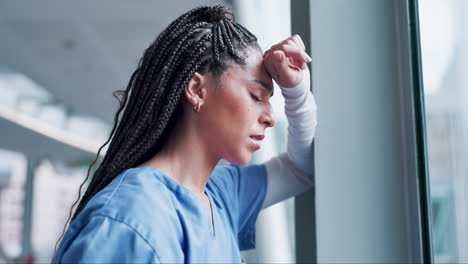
x: 240, y: 160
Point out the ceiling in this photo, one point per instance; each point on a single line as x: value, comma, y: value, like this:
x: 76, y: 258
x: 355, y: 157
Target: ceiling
x: 82, y: 51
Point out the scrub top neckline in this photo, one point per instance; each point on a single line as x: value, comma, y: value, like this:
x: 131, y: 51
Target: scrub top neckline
x: 208, y: 210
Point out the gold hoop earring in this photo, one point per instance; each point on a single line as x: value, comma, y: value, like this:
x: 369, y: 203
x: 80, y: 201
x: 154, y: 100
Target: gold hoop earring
x: 197, y: 108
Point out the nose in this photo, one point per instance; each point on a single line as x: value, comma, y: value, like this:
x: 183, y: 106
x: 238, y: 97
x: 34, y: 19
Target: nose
x: 268, y: 117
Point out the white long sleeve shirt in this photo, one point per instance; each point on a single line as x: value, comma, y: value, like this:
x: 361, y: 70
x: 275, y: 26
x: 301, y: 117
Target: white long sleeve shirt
x: 291, y: 173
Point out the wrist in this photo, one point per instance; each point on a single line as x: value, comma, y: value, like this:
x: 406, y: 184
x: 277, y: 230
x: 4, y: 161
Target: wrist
x: 300, y: 89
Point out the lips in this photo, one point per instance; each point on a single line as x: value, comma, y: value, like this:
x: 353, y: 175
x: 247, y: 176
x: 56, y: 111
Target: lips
x: 256, y: 140
x: 258, y: 137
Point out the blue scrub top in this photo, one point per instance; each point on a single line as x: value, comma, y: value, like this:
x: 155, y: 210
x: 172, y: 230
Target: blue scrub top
x: 144, y: 216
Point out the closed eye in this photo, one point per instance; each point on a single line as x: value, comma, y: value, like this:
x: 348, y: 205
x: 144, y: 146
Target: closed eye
x: 256, y: 98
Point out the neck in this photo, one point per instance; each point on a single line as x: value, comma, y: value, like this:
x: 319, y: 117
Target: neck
x: 186, y: 159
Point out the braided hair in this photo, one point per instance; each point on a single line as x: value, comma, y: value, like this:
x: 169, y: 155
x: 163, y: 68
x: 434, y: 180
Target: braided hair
x: 204, y: 39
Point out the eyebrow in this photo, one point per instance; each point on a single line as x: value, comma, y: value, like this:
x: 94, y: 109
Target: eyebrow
x: 264, y: 85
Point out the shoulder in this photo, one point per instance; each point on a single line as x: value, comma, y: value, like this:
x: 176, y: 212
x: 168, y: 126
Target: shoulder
x: 135, y: 191
x: 98, y: 239
x: 137, y: 198
x: 230, y: 183
x: 231, y: 176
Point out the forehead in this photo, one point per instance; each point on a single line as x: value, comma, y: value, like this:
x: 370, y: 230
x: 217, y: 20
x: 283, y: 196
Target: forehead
x: 253, y: 70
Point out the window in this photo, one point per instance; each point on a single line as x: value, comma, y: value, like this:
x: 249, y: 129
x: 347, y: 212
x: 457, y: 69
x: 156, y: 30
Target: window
x: 444, y: 52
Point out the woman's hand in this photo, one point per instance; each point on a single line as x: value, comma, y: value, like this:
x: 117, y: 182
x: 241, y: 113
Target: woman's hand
x: 286, y: 60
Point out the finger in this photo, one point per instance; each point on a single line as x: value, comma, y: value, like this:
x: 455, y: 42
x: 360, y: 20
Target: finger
x: 295, y: 52
x: 298, y: 40
x: 301, y: 64
x: 281, y: 64
x: 293, y: 42
x: 287, y: 41
x: 294, y: 63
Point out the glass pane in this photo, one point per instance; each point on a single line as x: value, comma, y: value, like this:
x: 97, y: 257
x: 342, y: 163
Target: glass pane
x: 445, y: 64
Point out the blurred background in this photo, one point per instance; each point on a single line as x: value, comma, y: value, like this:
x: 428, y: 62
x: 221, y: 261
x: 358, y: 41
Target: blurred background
x: 60, y: 61
x: 444, y: 46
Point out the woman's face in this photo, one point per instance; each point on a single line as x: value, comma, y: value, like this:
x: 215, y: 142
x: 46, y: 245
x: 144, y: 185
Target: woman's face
x: 236, y: 115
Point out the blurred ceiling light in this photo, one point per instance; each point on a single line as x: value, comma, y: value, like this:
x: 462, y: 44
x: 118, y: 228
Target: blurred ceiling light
x: 27, y: 104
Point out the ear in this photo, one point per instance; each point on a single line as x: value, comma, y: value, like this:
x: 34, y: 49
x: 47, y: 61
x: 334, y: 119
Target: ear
x: 195, y: 90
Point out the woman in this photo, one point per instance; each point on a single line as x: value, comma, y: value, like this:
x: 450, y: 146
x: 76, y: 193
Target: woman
x: 200, y: 94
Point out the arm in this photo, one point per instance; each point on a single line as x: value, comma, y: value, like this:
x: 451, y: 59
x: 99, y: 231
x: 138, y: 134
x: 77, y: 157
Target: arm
x: 291, y: 173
